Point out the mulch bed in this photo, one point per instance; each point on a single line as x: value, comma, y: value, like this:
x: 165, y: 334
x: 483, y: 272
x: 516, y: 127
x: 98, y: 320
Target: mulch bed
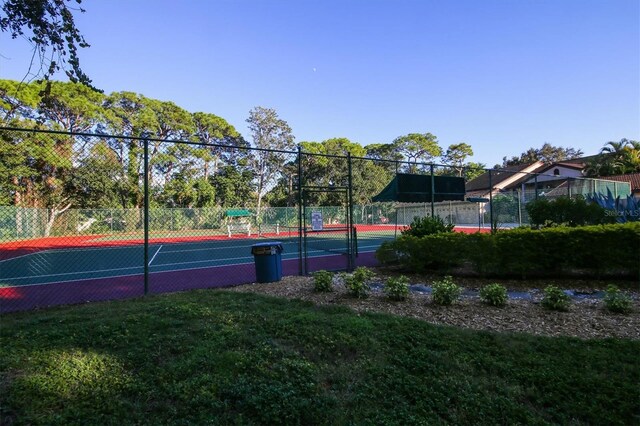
x: 586, y: 319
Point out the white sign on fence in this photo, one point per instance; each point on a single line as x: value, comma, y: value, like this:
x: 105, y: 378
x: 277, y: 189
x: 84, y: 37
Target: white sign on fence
x: 316, y: 221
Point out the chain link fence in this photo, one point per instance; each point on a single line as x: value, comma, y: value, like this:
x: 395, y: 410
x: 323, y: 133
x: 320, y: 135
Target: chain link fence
x: 88, y: 217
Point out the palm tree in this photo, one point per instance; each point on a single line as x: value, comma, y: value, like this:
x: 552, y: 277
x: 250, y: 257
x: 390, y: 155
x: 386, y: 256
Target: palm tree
x: 614, y: 147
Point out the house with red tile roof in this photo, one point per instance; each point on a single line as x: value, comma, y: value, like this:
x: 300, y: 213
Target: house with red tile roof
x: 562, y: 178
x: 632, y: 178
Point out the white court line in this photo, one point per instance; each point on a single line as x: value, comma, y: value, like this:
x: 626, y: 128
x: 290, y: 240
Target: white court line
x: 71, y: 249
x: 220, y: 248
x: 199, y: 261
x: 71, y: 273
x: 25, y: 255
x: 154, y: 256
x: 130, y: 275
x: 167, y: 264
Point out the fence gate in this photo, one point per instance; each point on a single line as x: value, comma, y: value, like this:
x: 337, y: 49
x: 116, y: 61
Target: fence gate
x: 326, y: 230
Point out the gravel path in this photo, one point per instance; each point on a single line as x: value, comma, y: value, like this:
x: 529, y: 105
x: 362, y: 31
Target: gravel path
x: 586, y: 319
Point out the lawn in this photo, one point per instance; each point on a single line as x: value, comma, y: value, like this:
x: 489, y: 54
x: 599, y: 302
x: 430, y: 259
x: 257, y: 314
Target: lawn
x: 216, y: 357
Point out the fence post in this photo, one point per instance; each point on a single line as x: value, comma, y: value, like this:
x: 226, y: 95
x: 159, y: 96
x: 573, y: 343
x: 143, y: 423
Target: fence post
x: 300, y: 269
x: 351, y: 246
x: 491, y: 203
x: 519, y: 208
x: 433, y: 195
x: 146, y: 216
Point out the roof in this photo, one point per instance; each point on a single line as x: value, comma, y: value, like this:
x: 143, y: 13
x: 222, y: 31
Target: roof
x: 578, y: 160
x: 498, y: 176
x: 567, y: 164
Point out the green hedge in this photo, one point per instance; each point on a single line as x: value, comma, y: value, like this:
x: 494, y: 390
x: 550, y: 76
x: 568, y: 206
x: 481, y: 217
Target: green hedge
x: 600, y: 249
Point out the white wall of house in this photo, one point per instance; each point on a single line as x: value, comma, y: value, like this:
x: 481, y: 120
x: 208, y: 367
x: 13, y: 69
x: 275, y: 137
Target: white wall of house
x: 562, y: 172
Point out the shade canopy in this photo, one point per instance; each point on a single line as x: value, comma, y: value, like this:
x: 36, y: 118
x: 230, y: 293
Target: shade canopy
x: 238, y: 213
x: 411, y: 188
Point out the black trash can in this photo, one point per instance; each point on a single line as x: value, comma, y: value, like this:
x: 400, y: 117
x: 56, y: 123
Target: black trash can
x: 268, y: 261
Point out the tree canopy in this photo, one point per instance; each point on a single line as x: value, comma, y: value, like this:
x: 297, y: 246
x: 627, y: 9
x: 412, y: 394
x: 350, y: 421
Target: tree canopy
x: 269, y: 133
x: 58, y: 172
x: 50, y: 27
x: 99, y: 162
x: 417, y: 147
x: 547, y: 154
x: 616, y: 158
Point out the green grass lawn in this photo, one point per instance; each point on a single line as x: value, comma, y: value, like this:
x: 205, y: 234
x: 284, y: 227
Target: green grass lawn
x: 212, y: 357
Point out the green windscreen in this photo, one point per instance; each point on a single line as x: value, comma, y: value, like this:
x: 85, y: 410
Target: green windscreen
x: 410, y: 188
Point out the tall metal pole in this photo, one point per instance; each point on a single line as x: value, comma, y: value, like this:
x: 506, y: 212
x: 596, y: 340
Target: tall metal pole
x: 433, y: 193
x: 350, y: 215
x: 535, y: 180
x: 300, y: 267
x: 491, y: 202
x: 146, y: 216
x: 519, y: 208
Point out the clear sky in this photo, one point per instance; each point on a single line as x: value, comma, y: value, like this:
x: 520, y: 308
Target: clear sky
x: 500, y: 75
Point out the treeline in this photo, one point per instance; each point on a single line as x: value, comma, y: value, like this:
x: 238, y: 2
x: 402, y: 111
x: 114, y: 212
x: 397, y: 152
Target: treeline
x: 58, y: 172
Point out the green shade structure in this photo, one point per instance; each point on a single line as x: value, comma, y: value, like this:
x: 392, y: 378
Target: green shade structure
x: 411, y: 188
x: 238, y: 213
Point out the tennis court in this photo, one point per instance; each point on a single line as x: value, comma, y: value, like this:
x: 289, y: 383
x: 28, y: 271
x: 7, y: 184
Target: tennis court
x: 99, y: 268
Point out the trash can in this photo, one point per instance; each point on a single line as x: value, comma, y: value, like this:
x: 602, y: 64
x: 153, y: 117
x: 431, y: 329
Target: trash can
x: 268, y: 260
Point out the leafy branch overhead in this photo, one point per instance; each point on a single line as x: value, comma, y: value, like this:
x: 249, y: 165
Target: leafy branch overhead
x: 49, y: 26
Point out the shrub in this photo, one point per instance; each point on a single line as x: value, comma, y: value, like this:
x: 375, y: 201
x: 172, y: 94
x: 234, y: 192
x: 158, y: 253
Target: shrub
x: 356, y: 287
x: 445, y: 250
x: 616, y: 301
x: 356, y: 283
x: 323, y: 281
x: 565, y: 211
x: 387, y: 253
x: 560, y: 251
x: 397, y: 288
x: 445, y: 291
x: 364, y: 274
x: 555, y: 299
x: 422, y: 226
x: 494, y: 294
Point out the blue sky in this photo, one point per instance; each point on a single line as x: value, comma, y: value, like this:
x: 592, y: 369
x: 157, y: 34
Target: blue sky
x: 502, y: 76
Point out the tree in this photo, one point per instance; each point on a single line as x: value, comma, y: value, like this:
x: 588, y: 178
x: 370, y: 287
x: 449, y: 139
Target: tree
x: 35, y: 172
x: 383, y: 151
x: 269, y: 132
x: 547, y: 154
x: 211, y: 129
x: 18, y: 101
x: 50, y: 28
x: 615, y: 158
x: 455, y: 156
x: 233, y: 186
x: 71, y: 107
x: 386, y: 154
x: 126, y: 115
x: 96, y: 181
x: 416, y: 147
x: 612, y: 147
x: 473, y: 170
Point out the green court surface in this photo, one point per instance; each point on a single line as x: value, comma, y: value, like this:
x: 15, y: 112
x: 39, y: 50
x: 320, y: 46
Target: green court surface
x: 50, y: 266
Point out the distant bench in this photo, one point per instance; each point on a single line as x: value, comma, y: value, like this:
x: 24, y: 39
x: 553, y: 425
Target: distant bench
x: 238, y: 220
